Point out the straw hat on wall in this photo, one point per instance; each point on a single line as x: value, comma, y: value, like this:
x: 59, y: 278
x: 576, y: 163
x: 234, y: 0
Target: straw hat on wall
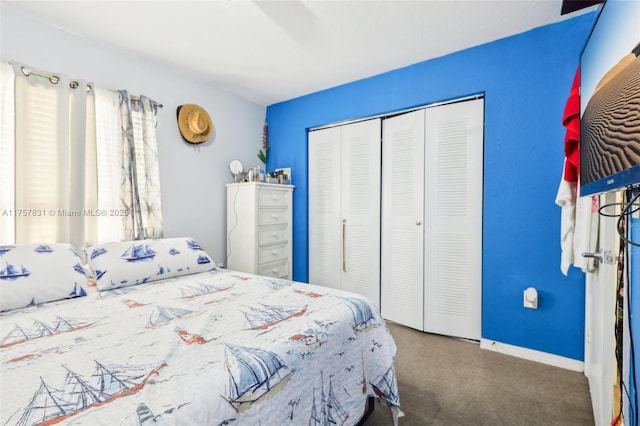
x: 194, y: 123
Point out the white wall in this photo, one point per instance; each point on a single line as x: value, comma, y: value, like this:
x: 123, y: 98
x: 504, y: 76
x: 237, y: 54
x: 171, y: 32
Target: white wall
x: 192, y: 179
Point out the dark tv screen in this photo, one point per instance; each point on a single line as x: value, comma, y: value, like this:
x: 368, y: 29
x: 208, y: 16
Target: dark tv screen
x: 610, y: 100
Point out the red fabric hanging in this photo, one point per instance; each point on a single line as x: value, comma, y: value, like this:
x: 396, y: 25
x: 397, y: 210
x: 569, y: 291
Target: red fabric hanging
x: 571, y: 120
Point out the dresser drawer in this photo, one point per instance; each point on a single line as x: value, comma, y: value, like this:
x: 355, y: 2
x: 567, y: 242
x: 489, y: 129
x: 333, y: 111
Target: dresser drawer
x: 273, y: 217
x: 276, y: 270
x: 273, y: 198
x: 270, y: 235
x: 273, y: 253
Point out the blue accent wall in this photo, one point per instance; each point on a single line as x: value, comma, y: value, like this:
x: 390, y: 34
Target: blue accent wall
x: 526, y: 80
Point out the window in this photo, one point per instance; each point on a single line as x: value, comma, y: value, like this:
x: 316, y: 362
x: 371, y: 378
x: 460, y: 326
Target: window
x: 69, y: 171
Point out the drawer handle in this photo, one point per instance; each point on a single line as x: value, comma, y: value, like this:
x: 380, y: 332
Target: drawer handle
x: 274, y: 197
x: 274, y: 234
x: 275, y: 271
x: 274, y: 216
x: 274, y: 252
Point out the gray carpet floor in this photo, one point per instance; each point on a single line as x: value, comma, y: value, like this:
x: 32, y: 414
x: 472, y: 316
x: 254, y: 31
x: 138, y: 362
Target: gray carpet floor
x: 448, y: 381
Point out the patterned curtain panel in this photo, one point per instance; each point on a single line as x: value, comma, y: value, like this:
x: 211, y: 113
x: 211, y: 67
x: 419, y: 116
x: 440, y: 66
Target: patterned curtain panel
x: 140, y: 188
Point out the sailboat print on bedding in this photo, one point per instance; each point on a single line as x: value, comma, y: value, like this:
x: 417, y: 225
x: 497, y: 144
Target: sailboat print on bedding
x: 43, y: 248
x: 79, y: 268
x: 164, y: 314
x: 10, y: 272
x: 266, y: 316
x: 253, y: 374
x: 40, y: 329
x: 97, y: 252
x: 363, y: 316
x: 330, y: 412
x: 191, y: 292
x: 77, y: 291
x: 386, y: 386
x: 193, y: 245
x: 51, y: 405
x: 138, y: 253
x: 6, y: 248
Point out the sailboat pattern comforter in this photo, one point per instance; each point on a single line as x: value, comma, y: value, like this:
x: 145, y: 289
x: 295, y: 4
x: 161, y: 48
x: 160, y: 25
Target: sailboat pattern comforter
x: 214, y: 348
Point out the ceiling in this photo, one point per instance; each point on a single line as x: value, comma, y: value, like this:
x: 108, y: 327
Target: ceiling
x: 271, y: 51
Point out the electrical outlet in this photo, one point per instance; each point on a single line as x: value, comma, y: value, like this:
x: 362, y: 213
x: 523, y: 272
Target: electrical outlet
x: 530, y: 298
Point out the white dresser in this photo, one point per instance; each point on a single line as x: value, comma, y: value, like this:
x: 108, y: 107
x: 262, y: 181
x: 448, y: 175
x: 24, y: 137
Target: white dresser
x: 259, y: 228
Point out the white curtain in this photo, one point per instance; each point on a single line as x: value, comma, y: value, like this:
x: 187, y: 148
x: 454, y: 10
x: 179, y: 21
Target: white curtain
x: 7, y: 155
x: 54, y: 167
x: 111, y: 227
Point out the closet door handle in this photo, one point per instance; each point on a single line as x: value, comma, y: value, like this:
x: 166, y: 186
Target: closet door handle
x: 604, y: 256
x: 344, y: 235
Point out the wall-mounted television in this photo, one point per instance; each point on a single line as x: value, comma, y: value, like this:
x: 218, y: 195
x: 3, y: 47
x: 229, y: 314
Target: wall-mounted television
x: 610, y: 100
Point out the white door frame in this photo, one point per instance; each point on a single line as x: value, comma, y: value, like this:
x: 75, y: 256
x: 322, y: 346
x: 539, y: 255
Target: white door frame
x: 599, y: 341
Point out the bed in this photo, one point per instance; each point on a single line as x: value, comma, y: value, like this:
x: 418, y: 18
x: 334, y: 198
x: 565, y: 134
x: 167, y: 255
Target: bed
x: 148, y: 338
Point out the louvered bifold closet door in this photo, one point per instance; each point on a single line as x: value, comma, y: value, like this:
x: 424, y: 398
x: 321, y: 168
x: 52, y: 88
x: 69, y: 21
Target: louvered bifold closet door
x: 360, y: 218
x: 453, y: 219
x: 402, y: 219
x: 324, y: 207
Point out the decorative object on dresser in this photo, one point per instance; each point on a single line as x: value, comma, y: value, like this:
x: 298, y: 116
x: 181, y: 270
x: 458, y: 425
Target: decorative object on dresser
x: 236, y: 168
x: 259, y: 228
x: 284, y: 175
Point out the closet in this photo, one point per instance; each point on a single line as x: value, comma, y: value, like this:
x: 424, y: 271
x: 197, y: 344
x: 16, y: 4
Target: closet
x: 431, y: 266
x: 344, y: 208
x: 428, y: 275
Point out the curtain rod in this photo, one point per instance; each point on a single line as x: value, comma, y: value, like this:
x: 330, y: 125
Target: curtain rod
x: 54, y: 79
x: 137, y: 99
x: 73, y: 84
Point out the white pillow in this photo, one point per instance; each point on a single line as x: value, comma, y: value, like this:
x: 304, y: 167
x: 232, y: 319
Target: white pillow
x: 31, y: 274
x: 121, y: 264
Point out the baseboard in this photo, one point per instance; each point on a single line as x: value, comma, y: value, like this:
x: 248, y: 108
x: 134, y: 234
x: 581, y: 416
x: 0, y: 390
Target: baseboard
x: 533, y: 355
